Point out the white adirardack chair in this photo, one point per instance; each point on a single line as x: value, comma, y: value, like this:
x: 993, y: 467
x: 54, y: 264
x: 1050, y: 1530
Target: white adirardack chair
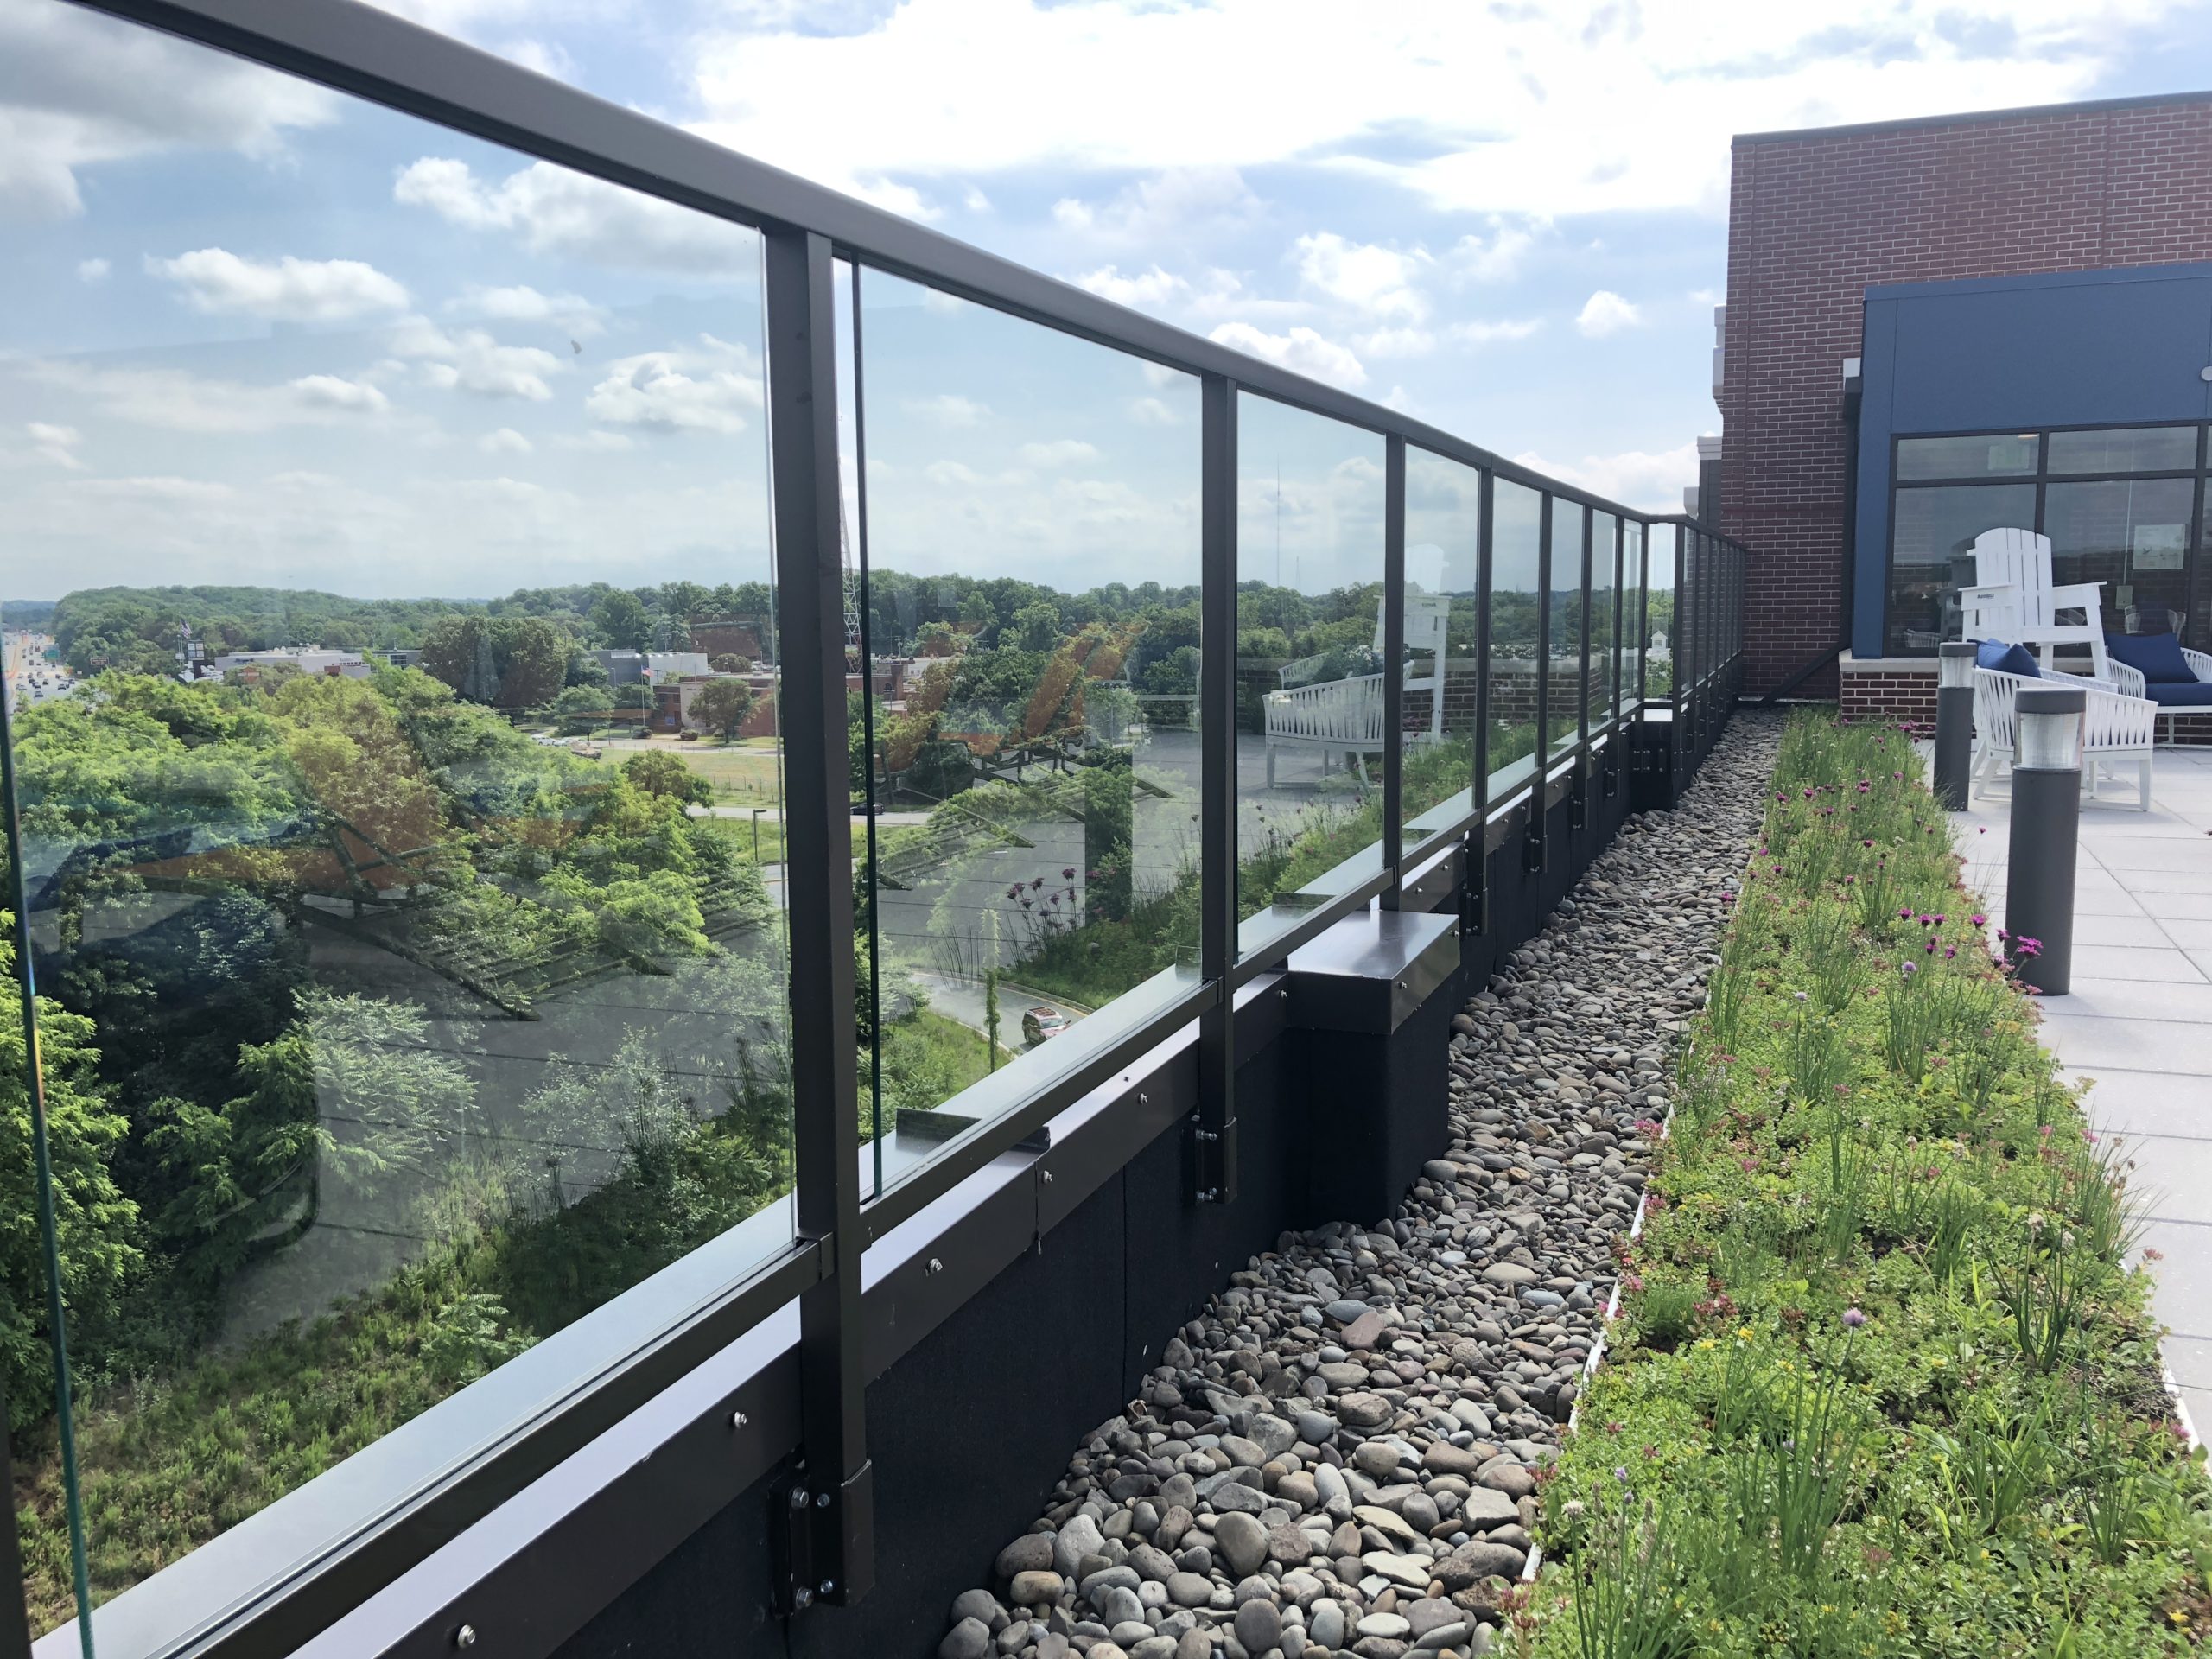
x: 1345, y: 719
x: 2117, y: 729
x: 2013, y: 599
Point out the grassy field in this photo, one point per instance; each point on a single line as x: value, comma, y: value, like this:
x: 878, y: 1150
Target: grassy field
x: 742, y: 774
x: 740, y: 834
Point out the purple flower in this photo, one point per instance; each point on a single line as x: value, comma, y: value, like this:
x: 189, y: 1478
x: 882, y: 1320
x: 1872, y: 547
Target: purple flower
x: 1620, y: 1473
x: 1853, y: 1318
x: 1979, y: 919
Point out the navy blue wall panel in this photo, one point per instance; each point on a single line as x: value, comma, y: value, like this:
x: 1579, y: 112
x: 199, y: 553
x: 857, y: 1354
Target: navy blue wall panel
x: 2077, y: 348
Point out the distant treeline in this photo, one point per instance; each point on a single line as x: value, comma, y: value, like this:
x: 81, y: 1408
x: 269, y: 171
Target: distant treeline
x: 138, y: 628
x: 25, y: 613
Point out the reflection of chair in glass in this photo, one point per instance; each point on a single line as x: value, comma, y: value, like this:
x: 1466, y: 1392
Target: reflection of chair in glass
x: 2117, y: 729
x: 2013, y: 599
x: 1345, y: 718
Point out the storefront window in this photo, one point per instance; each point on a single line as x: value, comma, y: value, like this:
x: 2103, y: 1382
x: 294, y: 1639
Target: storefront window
x: 2084, y: 489
x: 2132, y: 537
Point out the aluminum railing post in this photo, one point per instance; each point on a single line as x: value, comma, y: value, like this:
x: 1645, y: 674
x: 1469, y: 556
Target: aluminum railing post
x: 1474, y: 904
x: 827, y: 1524
x: 1394, y: 666
x: 1214, y: 1168
x: 1532, y: 842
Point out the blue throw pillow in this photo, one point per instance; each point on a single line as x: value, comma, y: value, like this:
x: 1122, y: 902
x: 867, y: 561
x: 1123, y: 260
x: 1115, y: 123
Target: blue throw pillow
x: 2192, y: 696
x: 2157, y: 657
x: 2007, y: 659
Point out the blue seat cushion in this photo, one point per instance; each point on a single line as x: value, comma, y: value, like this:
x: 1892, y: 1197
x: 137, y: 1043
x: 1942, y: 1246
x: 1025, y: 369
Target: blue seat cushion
x: 2157, y: 657
x: 2197, y: 693
x: 1996, y: 655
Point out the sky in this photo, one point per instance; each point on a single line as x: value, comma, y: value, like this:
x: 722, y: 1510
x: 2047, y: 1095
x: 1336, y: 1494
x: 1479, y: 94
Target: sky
x: 258, y: 331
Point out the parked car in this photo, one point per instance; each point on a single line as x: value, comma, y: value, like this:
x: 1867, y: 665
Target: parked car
x: 1043, y: 1023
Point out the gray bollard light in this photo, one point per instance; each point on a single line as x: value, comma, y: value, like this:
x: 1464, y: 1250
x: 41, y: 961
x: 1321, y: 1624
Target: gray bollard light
x: 1955, y: 660
x: 2046, y: 823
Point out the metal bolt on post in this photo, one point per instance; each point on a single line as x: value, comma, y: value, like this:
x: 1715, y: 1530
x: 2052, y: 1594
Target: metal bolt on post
x: 2046, y: 823
x: 1954, y: 723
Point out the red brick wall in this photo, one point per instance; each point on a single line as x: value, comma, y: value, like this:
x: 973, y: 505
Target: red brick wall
x: 1815, y: 219
x: 1888, y: 697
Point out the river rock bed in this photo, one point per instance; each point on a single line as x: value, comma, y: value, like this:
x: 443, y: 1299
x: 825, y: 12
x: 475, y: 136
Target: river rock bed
x: 1343, y: 1452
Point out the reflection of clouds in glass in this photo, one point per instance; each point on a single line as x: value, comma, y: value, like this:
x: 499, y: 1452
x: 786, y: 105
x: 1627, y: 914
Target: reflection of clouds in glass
x: 77, y: 90
x: 1312, y: 488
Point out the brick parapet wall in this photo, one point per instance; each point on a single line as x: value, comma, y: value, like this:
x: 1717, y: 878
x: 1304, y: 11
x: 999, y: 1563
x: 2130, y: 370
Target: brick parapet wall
x: 1815, y: 219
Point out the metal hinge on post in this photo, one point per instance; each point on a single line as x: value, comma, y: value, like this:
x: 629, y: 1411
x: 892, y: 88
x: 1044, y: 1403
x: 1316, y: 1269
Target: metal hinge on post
x: 825, y: 1541
x: 1474, y: 886
x: 1214, y: 1145
x: 1532, y: 831
x: 1578, y: 792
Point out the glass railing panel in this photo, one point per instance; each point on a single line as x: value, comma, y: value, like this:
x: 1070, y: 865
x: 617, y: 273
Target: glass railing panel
x: 1443, y: 605
x: 1032, y: 604
x: 401, y: 788
x: 1604, y: 556
x: 1515, y: 581
x: 55, y: 1136
x: 1659, y: 628
x: 1569, y: 578
x: 1310, y: 725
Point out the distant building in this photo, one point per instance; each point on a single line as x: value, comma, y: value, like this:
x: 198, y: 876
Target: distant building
x: 308, y: 659
x: 650, y: 667
x: 1949, y: 325
x: 732, y: 636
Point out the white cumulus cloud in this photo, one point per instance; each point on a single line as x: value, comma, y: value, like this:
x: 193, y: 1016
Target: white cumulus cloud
x: 1377, y: 281
x: 77, y: 90
x: 949, y: 409
x: 1635, y: 478
x: 93, y: 270
x: 506, y: 441
x: 1301, y: 350
x: 334, y: 391
x: 1606, y: 313
x: 471, y: 360
x: 290, y: 290
x: 556, y: 212
x: 707, y: 387
x: 176, y: 401
x: 523, y: 303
